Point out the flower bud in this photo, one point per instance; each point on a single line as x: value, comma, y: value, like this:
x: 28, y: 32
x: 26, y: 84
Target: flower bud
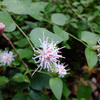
x: 2, y: 27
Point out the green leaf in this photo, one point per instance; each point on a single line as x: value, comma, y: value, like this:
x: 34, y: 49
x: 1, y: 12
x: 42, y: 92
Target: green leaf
x: 59, y: 19
x: 7, y: 21
x: 38, y: 33
x: 57, y: 30
x: 21, y: 96
x: 3, y: 80
x: 21, y: 43
x: 91, y: 57
x: 36, y: 16
x: 36, y: 9
x: 28, y: 71
x: 38, y: 96
x: 56, y: 86
x: 65, y: 90
x: 40, y: 81
x: 17, y: 6
x: 20, y: 86
x: 21, y: 78
x: 90, y: 38
x: 31, y: 24
x: 25, y: 53
x: 84, y: 92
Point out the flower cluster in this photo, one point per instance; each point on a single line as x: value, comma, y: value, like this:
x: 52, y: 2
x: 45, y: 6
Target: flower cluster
x: 6, y: 57
x: 60, y: 69
x: 48, y: 57
x: 2, y: 27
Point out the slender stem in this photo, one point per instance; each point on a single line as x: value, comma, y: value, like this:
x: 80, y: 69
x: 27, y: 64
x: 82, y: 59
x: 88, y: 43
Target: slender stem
x: 48, y: 21
x: 20, y: 29
x: 44, y: 73
x: 79, y: 16
x: 15, y: 51
x: 23, y: 34
x: 32, y: 70
x: 70, y: 34
x: 78, y: 39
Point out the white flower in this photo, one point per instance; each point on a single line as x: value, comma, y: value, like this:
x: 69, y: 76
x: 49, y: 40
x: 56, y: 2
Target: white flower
x: 60, y: 69
x: 6, y: 57
x: 47, y: 55
x: 2, y: 27
x: 99, y: 41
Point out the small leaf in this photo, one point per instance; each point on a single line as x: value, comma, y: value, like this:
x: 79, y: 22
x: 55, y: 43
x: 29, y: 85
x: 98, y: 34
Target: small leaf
x: 40, y: 81
x: 91, y: 57
x: 65, y: 90
x: 56, y: 86
x: 59, y: 19
x: 57, y: 30
x: 90, y: 38
x: 21, y: 78
x: 28, y: 71
x: 36, y: 95
x: 3, y: 80
x: 38, y: 33
x: 7, y: 21
x: 25, y: 53
x: 21, y: 96
x: 84, y: 92
x: 21, y: 43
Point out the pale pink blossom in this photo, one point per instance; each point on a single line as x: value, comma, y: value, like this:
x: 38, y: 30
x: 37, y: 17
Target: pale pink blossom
x: 60, y: 69
x: 6, y: 57
x: 47, y: 55
x: 99, y: 41
x: 2, y: 27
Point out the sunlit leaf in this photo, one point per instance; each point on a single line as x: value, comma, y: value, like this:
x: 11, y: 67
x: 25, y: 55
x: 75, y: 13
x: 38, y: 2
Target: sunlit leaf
x: 57, y: 30
x: 21, y: 78
x: 89, y: 38
x: 59, y: 19
x: 17, y: 6
x: 38, y: 33
x: 56, y: 86
x: 7, y: 21
x: 91, y: 57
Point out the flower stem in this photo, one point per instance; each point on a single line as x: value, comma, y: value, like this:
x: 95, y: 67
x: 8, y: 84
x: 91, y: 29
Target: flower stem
x: 23, y: 34
x: 15, y: 51
x: 68, y: 33
x: 20, y: 30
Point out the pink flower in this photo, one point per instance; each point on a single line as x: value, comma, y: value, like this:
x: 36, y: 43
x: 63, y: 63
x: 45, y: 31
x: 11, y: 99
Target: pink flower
x: 6, y: 57
x: 47, y: 55
x: 60, y: 69
x: 2, y: 27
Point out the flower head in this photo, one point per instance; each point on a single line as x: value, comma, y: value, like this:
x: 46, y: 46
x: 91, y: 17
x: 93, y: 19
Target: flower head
x: 6, y: 57
x: 2, y: 27
x: 60, y: 69
x: 47, y: 55
x: 98, y: 50
x: 99, y: 41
